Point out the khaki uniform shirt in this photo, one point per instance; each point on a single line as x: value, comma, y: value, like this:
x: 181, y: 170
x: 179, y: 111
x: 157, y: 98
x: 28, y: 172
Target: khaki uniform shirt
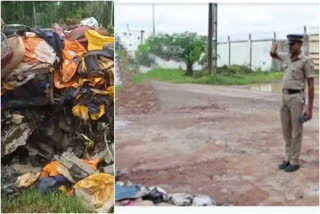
x: 297, y: 71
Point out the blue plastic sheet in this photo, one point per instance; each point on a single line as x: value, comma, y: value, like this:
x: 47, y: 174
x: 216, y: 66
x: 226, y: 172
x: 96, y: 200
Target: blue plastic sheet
x: 126, y: 192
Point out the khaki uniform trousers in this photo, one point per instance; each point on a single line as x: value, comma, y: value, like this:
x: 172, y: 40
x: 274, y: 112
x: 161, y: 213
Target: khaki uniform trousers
x: 292, y: 128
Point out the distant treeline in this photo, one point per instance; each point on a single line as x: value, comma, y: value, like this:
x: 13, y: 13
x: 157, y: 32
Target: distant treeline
x: 44, y: 13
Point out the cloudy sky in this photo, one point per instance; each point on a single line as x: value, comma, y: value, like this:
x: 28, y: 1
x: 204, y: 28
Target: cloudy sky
x: 236, y: 20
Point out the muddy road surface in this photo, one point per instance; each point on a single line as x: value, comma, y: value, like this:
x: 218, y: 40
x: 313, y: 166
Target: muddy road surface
x: 224, y: 142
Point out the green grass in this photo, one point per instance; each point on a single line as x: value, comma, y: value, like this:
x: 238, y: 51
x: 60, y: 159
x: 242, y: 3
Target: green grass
x: 124, y: 59
x: 32, y: 201
x: 132, y: 66
x: 221, y: 78
x: 117, y: 90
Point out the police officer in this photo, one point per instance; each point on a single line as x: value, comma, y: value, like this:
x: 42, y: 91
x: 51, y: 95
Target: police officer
x: 298, y: 69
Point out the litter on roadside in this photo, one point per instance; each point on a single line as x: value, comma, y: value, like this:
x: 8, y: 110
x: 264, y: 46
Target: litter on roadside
x: 57, y: 101
x: 129, y: 194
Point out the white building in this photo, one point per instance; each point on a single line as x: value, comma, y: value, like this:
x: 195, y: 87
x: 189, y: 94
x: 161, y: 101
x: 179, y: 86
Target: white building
x: 131, y: 39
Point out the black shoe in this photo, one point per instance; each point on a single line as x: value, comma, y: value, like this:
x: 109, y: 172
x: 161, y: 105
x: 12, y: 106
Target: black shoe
x: 284, y: 164
x: 292, y: 168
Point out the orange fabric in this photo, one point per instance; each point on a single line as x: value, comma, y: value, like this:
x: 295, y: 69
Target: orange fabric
x: 38, y: 50
x: 59, y: 84
x: 30, y: 46
x: 71, y: 50
x: 51, y: 168
x: 92, y: 163
x: 66, y: 191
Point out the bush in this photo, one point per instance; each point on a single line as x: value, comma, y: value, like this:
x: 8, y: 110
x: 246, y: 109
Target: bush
x: 233, y: 69
x: 142, y: 55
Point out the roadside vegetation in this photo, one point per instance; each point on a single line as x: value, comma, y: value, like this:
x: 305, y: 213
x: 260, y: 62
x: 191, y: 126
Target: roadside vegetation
x: 32, y: 201
x: 116, y: 97
x: 234, y: 75
x: 190, y: 49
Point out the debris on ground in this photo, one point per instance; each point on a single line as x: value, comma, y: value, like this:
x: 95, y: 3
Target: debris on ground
x: 57, y: 106
x: 9, y: 177
x: 100, y: 187
x: 129, y: 194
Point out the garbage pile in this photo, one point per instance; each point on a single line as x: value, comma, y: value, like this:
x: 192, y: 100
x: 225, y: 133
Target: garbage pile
x: 57, y: 106
x: 130, y: 194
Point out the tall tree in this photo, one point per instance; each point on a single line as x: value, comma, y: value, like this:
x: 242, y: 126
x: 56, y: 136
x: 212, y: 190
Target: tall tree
x: 34, y: 13
x: 45, y: 13
x: 186, y: 47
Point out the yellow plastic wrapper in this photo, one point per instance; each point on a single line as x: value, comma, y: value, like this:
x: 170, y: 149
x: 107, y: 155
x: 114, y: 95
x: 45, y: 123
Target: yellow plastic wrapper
x: 96, y: 41
x: 100, y: 186
x: 96, y: 116
x: 109, y: 91
x: 96, y: 81
x: 105, y: 63
x: 7, y: 85
x: 92, y: 81
x: 27, y: 179
x: 81, y: 111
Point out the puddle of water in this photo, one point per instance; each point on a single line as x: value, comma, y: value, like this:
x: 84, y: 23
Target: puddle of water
x: 276, y: 87
x: 119, y: 124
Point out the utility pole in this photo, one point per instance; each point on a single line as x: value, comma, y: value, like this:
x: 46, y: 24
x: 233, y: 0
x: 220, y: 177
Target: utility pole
x: 142, y: 31
x: 305, y: 40
x: 212, y: 38
x: 250, y: 52
x: 210, y: 32
x: 229, y: 51
x: 153, y: 22
x: 215, y: 36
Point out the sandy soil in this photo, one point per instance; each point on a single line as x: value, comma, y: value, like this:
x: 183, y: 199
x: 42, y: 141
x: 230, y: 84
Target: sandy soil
x: 224, y: 142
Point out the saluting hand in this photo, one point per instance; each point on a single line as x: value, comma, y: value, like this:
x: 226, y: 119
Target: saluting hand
x: 273, y: 50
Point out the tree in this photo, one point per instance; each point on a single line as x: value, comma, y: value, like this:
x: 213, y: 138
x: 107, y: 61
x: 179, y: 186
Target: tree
x: 187, y: 47
x: 142, y: 55
x: 45, y: 13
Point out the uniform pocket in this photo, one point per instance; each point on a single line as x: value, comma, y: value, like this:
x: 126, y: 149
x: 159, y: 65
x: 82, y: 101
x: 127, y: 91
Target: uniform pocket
x: 300, y: 97
x: 297, y: 74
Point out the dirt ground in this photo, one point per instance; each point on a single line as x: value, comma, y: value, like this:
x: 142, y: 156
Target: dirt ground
x: 224, y: 142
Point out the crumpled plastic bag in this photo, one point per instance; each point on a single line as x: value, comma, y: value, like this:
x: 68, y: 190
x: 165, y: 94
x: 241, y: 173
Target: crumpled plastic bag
x: 109, y: 91
x: 27, y: 179
x: 38, y: 49
x: 202, y: 200
x: 96, y: 41
x: 51, y: 168
x: 181, y: 199
x: 72, y: 54
x: 81, y: 111
x: 100, y: 186
x: 90, y: 22
x: 96, y: 116
x: 51, y: 183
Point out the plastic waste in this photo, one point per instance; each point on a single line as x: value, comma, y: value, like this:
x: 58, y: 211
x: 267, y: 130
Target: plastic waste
x: 100, y: 186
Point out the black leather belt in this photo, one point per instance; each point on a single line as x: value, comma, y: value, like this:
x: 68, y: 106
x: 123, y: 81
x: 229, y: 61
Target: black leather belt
x: 292, y: 91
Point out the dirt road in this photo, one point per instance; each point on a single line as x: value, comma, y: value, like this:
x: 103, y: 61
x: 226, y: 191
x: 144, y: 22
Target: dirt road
x: 224, y: 142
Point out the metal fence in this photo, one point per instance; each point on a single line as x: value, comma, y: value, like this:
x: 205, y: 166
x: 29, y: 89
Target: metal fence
x: 255, y: 53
